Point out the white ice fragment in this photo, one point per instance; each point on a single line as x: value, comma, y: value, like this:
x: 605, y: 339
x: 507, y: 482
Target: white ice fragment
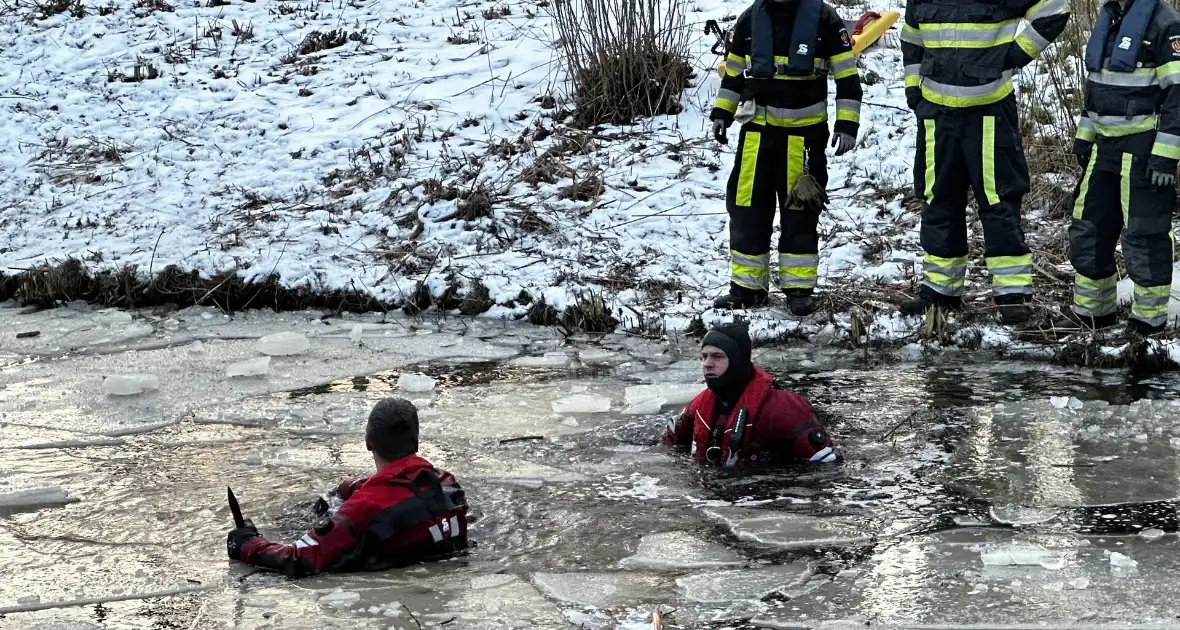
x: 533, y: 483
x: 1121, y: 561
x: 196, y: 347
x: 549, y: 360
x: 129, y: 384
x: 249, y: 367
x: 1016, y: 553
x: 356, y: 333
x: 645, y: 407
x: 283, y: 344
x: 1080, y: 583
x: 670, y: 393
x: 1053, y: 563
x: 1074, y: 403
x: 581, y: 403
x: 341, y: 598
x: 1059, y: 402
x: 415, y: 383
x: 28, y: 600
x: 1152, y: 533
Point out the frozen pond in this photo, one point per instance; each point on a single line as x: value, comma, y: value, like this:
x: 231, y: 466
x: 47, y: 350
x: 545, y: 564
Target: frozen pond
x: 981, y: 495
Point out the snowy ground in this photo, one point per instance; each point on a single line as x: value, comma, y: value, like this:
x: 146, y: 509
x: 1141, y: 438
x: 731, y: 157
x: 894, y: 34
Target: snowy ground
x: 239, y: 151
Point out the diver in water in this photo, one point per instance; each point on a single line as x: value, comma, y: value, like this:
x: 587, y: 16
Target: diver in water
x: 408, y: 512
x: 740, y: 418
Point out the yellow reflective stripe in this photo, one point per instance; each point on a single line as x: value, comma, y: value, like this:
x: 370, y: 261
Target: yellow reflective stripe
x: 966, y: 101
x: 996, y: 262
x: 1027, y: 45
x: 1124, y: 185
x: 798, y: 271
x: 1118, y: 130
x: 1162, y: 291
x: 1086, y: 129
x: 848, y: 114
x: 1047, y: 8
x: 1011, y: 280
x: 1101, y: 284
x: 762, y: 118
x: 1168, y: 74
x: 989, y: 160
x: 912, y: 80
x: 944, y: 280
x: 726, y: 104
x: 969, y: 34
x: 845, y: 73
x: 1079, y: 204
x: 929, y: 124
x: 1166, y: 145
x: 745, y: 187
x: 911, y: 35
x: 796, y: 159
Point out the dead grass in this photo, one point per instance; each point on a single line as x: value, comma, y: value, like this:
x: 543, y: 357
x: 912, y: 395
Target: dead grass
x: 588, y: 314
x: 80, y: 160
x: 627, y: 58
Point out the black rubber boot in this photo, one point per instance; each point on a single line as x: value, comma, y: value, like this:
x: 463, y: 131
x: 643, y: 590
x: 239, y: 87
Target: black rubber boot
x: 1014, y: 309
x: 740, y: 297
x: 1143, y: 329
x: 928, y: 299
x: 802, y: 305
x: 1070, y: 320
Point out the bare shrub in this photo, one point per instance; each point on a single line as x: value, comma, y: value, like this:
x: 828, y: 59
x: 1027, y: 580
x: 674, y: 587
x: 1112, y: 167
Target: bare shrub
x: 625, y: 58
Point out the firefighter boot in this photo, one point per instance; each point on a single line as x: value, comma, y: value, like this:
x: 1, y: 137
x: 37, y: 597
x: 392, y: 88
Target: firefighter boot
x: 928, y: 299
x: 1071, y: 321
x: 740, y: 297
x: 801, y: 303
x: 1141, y: 328
x: 1014, y: 309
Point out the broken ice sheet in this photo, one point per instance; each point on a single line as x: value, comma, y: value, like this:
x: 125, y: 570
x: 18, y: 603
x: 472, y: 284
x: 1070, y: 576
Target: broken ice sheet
x: 581, y: 403
x: 1019, y: 554
x: 1121, y: 561
x: 415, y: 383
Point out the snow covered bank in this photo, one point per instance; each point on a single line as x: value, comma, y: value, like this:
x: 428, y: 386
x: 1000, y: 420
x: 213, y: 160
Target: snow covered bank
x: 372, y: 155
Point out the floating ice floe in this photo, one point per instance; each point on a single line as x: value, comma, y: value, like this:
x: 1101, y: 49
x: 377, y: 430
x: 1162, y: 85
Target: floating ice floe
x: 283, y: 344
x: 129, y: 384
x: 249, y: 368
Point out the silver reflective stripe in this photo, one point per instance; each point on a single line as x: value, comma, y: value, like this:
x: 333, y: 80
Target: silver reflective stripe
x: 1167, y: 139
x: 1158, y: 320
x: 735, y: 66
x: 728, y: 95
x: 792, y: 114
x: 952, y: 291
x: 914, y: 69
x: 1104, y: 294
x: 1010, y: 271
x: 843, y: 64
x: 797, y: 260
x: 1085, y: 123
x: 1011, y: 290
x: 1095, y: 312
x: 1047, y: 8
x: 848, y: 105
x: 436, y: 533
x: 1168, y: 74
x: 1119, y: 121
x: 941, y: 33
x: 1151, y: 300
x: 957, y: 271
x: 455, y: 526
x: 968, y: 91
x: 746, y: 260
x: 911, y: 35
x: 1035, y: 37
x: 1124, y: 79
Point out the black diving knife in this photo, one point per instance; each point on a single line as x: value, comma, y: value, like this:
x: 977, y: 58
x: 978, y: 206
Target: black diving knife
x: 235, y: 509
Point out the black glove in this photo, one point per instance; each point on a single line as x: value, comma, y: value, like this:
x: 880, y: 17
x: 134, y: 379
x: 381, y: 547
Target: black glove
x: 719, y: 131
x: 1082, y: 151
x: 238, y: 537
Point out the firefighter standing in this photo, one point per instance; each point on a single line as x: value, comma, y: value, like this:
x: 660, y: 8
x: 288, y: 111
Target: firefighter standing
x: 959, y: 58
x: 776, y: 84
x: 1132, y: 115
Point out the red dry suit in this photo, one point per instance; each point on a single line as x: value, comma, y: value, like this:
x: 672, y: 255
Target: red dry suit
x: 781, y: 426
x: 406, y: 513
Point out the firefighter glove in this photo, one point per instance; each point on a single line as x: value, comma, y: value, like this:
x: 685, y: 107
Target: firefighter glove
x: 1082, y: 151
x: 237, y: 539
x: 843, y: 142
x: 1161, y: 179
x: 719, y: 131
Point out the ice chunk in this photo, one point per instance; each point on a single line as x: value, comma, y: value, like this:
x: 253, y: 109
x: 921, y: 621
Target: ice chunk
x: 596, y: 355
x: 129, y: 384
x: 645, y: 407
x: 788, y: 530
x: 1059, y: 402
x: 723, y: 587
x: 1121, y: 561
x: 679, y: 550
x: 33, y: 499
x: 581, y: 403
x: 1080, y: 583
x: 1021, y: 515
x: 196, y: 347
x: 549, y: 360
x: 670, y: 393
x: 1019, y: 553
x: 357, y: 333
x: 598, y: 590
x: 415, y: 383
x: 1074, y: 403
x: 524, y: 482
x: 249, y: 367
x: 341, y: 598
x: 283, y: 344
x: 1152, y: 533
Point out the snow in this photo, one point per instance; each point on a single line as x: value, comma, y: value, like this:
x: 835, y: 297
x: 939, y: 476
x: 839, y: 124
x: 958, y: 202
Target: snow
x: 283, y: 344
x: 129, y: 384
x: 581, y: 403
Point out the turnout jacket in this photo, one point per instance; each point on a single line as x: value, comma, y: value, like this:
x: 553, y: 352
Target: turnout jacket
x: 792, y: 100
x: 781, y: 427
x: 1137, y: 112
x: 406, y: 513
x: 963, y: 53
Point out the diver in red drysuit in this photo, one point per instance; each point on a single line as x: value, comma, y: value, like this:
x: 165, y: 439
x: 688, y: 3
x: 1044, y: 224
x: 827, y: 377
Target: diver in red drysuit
x: 779, y: 426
